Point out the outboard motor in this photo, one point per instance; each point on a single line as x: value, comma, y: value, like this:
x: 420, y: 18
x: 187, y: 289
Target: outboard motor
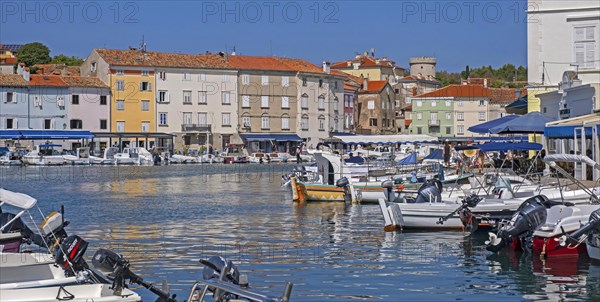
x: 70, y: 255
x: 52, y: 231
x: 388, y: 185
x: 528, y: 217
x: 592, y: 225
x: 219, y: 268
x: 429, y: 192
x: 466, y: 217
x: 345, y: 183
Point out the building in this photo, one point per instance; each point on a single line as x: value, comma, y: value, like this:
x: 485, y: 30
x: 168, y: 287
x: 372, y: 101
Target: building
x: 352, y: 85
x: 9, y: 50
x: 88, y: 104
x: 375, y: 108
x: 57, y: 69
x: 7, y: 65
x: 370, y: 67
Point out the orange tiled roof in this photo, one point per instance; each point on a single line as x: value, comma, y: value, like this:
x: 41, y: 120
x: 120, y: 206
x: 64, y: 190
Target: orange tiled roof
x: 57, y: 69
x: 272, y: 63
x: 47, y: 80
x: 161, y: 59
x: 12, y: 80
x: 503, y: 95
x: 458, y: 91
x: 366, y: 61
x: 374, y: 86
x: 11, y: 61
x: 407, y: 123
x: 84, y: 82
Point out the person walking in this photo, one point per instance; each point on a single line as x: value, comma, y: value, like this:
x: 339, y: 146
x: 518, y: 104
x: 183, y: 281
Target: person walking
x: 447, y: 152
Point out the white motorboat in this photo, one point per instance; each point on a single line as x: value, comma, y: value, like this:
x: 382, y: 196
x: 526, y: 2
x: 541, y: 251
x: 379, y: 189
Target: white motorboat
x: 108, y: 158
x: 72, y: 293
x: 274, y: 157
x: 257, y: 158
x: 8, y: 158
x: 210, y: 158
x: 134, y: 156
x: 183, y: 159
x: 44, y: 155
x: 81, y: 157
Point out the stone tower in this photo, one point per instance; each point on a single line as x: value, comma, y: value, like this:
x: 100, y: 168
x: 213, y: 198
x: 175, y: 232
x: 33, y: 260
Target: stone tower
x: 423, y: 66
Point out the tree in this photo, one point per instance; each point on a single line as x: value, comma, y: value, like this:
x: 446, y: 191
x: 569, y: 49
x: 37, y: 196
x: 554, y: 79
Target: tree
x: 34, y: 53
x: 69, y: 61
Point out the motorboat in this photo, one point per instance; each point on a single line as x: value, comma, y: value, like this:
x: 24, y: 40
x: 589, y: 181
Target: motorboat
x: 44, y: 155
x: 210, y: 158
x: 108, y: 158
x: 273, y: 157
x: 588, y: 233
x: 257, y: 158
x: 183, y: 159
x: 134, y: 156
x: 234, y: 154
x: 80, y: 157
x: 72, y: 293
x: 8, y: 158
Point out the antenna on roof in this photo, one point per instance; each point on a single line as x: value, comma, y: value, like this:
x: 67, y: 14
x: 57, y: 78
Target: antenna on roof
x: 143, y: 44
x: 233, y: 52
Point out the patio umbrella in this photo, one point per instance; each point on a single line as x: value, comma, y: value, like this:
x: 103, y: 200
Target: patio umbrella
x: 485, y: 127
x: 532, y: 122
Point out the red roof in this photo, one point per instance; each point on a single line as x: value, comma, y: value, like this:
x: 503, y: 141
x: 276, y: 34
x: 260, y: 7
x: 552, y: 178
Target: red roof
x: 374, y: 86
x: 11, y: 61
x: 272, y: 63
x: 458, y: 91
x: 47, y: 80
x: 407, y: 122
x: 366, y: 61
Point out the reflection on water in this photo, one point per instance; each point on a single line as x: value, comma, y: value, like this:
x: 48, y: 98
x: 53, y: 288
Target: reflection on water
x: 164, y: 219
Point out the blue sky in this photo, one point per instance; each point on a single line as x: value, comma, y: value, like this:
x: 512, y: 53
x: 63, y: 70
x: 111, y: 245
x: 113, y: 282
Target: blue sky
x: 458, y: 33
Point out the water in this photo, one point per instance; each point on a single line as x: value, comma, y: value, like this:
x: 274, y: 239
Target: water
x: 164, y: 219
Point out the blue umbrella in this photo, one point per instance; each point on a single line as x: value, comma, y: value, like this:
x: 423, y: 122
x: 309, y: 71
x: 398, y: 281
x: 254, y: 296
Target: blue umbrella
x: 485, y: 127
x: 532, y: 122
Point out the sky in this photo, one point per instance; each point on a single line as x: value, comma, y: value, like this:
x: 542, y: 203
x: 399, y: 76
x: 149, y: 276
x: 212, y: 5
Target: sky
x: 458, y: 33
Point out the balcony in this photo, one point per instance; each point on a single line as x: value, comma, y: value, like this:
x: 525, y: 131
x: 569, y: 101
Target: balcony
x: 196, y: 127
x: 434, y: 122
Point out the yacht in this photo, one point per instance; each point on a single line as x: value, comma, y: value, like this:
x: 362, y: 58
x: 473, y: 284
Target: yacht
x: 44, y: 155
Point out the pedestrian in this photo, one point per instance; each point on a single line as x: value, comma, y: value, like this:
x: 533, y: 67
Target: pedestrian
x: 447, y: 152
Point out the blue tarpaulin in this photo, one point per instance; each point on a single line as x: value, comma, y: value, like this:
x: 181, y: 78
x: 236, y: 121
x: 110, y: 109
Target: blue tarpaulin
x: 265, y: 137
x: 436, y: 154
x: 45, y: 134
x: 355, y: 160
x: 409, y: 160
x: 566, y: 131
x: 485, y: 127
x: 522, y: 146
x: 532, y: 122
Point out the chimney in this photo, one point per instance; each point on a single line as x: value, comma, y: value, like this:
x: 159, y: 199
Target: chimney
x: 349, y: 63
x: 365, y: 54
x: 365, y: 84
x: 373, y: 52
x: 357, y: 56
x: 26, y: 74
x: 326, y: 67
x: 485, y: 83
x: 20, y: 68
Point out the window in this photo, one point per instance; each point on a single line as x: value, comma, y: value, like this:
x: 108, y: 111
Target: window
x: 48, y: 124
x: 162, y: 119
x: 201, y: 97
x: 320, y: 83
x: 245, y: 101
x: 145, y: 86
x: 264, y: 80
x: 75, y: 99
x: 120, y: 72
x: 481, y: 102
x: 203, y: 118
x: 187, y: 118
x: 304, y: 122
x: 145, y: 73
x: 285, y: 122
x: 321, y: 102
x: 336, y: 103
x: 103, y: 100
x: 225, y: 98
x: 335, y: 124
x: 120, y: 105
x: 162, y: 75
x: 419, y: 130
x: 459, y: 103
x: 285, y: 102
x: 10, y: 98
x: 187, y: 97
x: 448, y: 130
x: 264, y: 101
x: 371, y: 105
x: 202, y: 76
x: 103, y: 125
x: 419, y: 116
x: 145, y: 105
x: 225, y: 119
x: 460, y: 129
x: 460, y: 116
x: 321, y: 123
x: 264, y: 122
x: 60, y: 101
x: 304, y: 81
x: 11, y: 123
x: 433, y: 116
x: 335, y: 85
x: 448, y: 103
x: 93, y: 66
x: 433, y: 103
x: 246, y: 120
x: 187, y: 76
x: 304, y: 101
x: 419, y: 103
x: 163, y: 96
x: 120, y: 126
x: 145, y: 126
x: 373, y: 122
x: 584, y: 46
x: 245, y: 79
x: 120, y: 85
x: 448, y: 116
x: 482, y: 116
x: 225, y: 78
x: 285, y: 81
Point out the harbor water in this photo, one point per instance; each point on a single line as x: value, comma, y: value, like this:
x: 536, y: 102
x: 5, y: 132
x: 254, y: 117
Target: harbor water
x: 164, y: 219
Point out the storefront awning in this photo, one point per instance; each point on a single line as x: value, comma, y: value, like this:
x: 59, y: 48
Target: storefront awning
x: 386, y: 139
x: 10, y: 134
x: 44, y: 134
x: 566, y: 128
x: 266, y: 137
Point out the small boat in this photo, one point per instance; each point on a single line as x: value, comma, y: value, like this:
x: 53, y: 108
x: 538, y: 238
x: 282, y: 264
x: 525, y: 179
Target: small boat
x: 8, y: 158
x: 183, y: 159
x: 234, y: 154
x: 274, y: 158
x: 588, y: 234
x: 210, y: 158
x: 81, y: 157
x: 72, y: 293
x: 108, y: 158
x: 134, y: 156
x: 257, y: 158
x: 44, y: 155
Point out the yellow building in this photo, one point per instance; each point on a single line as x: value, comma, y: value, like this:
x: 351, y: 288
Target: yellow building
x: 367, y: 66
x: 133, y: 97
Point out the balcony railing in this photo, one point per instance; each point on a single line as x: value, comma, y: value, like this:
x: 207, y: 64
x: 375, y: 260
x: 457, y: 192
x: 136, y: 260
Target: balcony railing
x: 434, y: 122
x: 196, y: 127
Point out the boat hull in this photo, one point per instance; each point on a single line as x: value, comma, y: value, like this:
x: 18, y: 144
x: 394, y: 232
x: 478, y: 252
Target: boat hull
x: 73, y: 293
x: 43, y: 160
x: 550, y: 248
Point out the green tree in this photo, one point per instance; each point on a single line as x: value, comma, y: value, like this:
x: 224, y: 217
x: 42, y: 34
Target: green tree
x: 69, y: 61
x: 34, y: 53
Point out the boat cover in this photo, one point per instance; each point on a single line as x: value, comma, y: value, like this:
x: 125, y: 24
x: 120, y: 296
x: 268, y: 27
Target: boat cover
x: 572, y: 158
x: 411, y: 159
x: 19, y: 200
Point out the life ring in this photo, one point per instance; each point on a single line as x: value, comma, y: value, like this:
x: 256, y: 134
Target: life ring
x: 470, y: 152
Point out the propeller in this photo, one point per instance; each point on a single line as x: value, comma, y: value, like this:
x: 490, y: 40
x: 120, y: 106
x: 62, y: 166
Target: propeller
x: 494, y: 240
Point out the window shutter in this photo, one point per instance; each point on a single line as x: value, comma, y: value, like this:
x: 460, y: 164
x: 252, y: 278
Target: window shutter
x: 590, y: 55
x: 168, y: 96
x: 5, y: 97
x: 149, y: 86
x: 140, y: 86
